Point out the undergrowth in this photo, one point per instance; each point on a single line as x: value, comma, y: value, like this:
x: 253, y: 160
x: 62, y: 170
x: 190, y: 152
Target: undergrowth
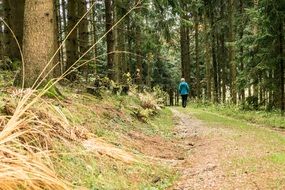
x: 90, y: 143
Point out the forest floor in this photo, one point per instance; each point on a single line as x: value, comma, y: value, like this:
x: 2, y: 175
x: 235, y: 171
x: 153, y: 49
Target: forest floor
x: 109, y: 147
x: 224, y: 153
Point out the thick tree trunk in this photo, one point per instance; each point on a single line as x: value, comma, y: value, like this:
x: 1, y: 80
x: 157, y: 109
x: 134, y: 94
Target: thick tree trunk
x: 38, y: 39
x: 109, y: 14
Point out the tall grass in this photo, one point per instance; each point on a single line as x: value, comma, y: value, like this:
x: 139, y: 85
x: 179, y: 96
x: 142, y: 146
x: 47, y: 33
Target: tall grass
x: 26, y: 138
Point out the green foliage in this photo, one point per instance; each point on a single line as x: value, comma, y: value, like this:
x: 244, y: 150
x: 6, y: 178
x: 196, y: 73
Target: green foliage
x: 163, y: 124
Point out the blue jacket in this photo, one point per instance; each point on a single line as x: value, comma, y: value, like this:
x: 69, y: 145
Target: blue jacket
x: 184, y: 88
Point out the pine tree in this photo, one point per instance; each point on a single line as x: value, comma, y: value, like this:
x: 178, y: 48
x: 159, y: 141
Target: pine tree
x: 38, y: 39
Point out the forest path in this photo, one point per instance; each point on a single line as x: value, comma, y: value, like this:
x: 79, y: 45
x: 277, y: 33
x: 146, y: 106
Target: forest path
x: 225, y: 157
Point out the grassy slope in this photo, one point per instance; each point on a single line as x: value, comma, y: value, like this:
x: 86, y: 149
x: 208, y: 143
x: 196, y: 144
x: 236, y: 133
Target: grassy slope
x: 262, y: 149
x: 110, y: 119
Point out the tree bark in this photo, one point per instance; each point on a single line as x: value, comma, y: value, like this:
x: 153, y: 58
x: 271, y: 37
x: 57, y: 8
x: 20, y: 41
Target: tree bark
x: 185, y: 47
x: 71, y: 43
x: 38, y: 39
x: 94, y: 27
x: 232, y: 53
x: 198, y: 77
x: 281, y: 62
x: 109, y: 14
x: 14, y: 12
x: 214, y: 57
x: 241, y: 51
x: 1, y: 35
x: 208, y: 61
x: 83, y: 36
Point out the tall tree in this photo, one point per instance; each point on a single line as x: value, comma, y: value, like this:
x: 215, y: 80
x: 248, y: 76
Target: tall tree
x: 214, y: 55
x: 38, y: 39
x: 197, y: 61
x: 185, y: 43
x: 72, y: 43
x: 232, y: 52
x: 14, y: 14
x: 208, y: 58
x: 83, y: 34
x: 138, y: 42
x: 1, y: 31
x: 109, y: 14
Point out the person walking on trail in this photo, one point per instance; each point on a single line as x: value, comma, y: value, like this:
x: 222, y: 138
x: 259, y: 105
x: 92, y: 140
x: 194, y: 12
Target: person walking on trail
x: 184, y: 91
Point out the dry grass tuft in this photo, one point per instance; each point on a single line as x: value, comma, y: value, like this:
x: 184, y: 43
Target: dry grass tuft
x: 26, y: 139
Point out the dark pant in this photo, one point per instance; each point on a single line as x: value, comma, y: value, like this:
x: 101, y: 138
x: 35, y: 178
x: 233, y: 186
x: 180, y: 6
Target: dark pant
x: 184, y: 100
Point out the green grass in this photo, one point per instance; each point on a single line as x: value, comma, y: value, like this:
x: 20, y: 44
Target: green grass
x: 102, y: 119
x: 162, y: 124
x: 278, y: 158
x: 103, y: 173
x: 261, y: 117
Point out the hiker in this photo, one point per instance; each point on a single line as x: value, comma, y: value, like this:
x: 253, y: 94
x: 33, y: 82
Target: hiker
x: 184, y: 91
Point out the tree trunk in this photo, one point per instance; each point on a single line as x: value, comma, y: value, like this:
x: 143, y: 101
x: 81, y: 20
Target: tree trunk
x: 1, y: 35
x: 71, y: 43
x: 94, y: 27
x: 214, y: 57
x: 139, y: 60
x: 129, y: 39
x: 109, y: 14
x: 232, y: 53
x: 224, y: 66
x: 83, y: 36
x: 14, y: 12
x: 242, y: 90
x: 57, y: 32
x: 198, y: 77
x: 63, y: 23
x: 117, y: 36
x: 281, y: 62
x: 208, y: 61
x: 185, y: 47
x: 38, y: 39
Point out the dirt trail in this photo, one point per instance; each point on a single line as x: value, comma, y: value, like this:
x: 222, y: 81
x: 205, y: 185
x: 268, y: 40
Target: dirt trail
x: 210, y: 151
